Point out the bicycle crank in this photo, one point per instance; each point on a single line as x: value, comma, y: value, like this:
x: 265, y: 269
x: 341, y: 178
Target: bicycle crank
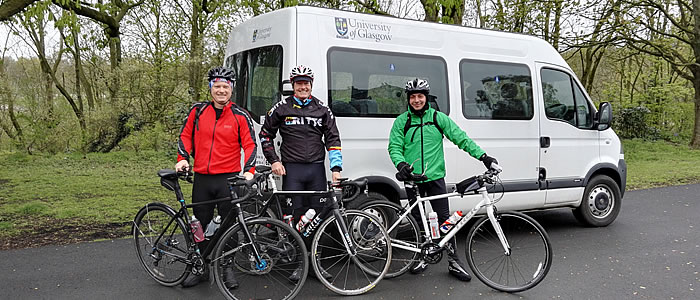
x: 432, y: 253
x: 197, y: 264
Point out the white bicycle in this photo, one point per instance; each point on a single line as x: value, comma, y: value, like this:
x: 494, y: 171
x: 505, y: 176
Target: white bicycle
x: 507, y: 250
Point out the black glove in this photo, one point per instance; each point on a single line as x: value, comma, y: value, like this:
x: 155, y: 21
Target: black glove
x: 488, y: 160
x: 405, y: 171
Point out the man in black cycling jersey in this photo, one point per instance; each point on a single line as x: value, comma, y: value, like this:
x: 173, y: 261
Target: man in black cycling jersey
x: 417, y: 136
x: 308, y: 130
x: 213, y: 134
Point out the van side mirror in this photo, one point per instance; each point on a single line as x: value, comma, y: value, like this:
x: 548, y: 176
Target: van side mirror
x: 603, y: 117
x: 287, y: 89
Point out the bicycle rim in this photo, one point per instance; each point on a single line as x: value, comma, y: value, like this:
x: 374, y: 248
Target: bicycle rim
x: 282, y: 253
x: 530, y: 256
x: 341, y: 272
x: 405, y: 234
x: 163, y: 259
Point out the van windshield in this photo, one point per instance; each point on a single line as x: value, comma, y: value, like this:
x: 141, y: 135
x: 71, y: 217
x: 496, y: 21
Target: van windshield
x: 258, y: 76
x: 371, y: 83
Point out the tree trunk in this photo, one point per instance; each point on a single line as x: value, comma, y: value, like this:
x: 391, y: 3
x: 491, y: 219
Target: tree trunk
x: 695, y: 142
x: 431, y: 12
x: 557, y: 24
x: 195, y: 54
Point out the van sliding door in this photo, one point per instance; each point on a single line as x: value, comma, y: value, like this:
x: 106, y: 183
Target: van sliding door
x: 498, y: 114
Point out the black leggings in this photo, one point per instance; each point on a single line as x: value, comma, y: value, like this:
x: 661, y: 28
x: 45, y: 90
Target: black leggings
x: 209, y: 187
x: 440, y: 206
x: 304, y: 177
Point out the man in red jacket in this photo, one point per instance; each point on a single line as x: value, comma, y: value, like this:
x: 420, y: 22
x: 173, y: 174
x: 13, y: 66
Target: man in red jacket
x: 213, y: 134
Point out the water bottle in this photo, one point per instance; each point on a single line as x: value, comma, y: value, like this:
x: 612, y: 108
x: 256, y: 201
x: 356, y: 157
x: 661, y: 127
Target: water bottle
x: 451, y: 222
x: 213, y: 226
x: 196, y: 228
x: 305, y: 219
x: 434, y: 229
x: 289, y: 219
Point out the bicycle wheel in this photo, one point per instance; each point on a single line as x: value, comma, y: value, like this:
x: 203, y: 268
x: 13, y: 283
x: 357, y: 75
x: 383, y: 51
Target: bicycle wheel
x: 161, y: 243
x: 284, y: 261
x: 530, y: 252
x: 405, y: 234
x: 336, y: 268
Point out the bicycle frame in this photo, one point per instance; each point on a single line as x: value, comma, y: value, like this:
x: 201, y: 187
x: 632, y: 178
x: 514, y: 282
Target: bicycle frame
x: 333, y: 208
x: 486, y: 201
x: 225, y: 223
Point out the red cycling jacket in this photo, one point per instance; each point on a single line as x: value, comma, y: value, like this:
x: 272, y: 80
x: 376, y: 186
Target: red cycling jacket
x: 217, y: 143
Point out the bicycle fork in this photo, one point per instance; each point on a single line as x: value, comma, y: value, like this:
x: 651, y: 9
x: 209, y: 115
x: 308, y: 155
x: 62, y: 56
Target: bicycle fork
x: 343, y: 229
x: 490, y: 211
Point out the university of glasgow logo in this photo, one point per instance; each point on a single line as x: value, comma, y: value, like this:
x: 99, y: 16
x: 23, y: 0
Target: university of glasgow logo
x: 255, y: 35
x: 341, y: 25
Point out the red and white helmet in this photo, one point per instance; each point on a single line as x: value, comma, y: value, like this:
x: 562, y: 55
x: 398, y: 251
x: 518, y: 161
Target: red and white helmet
x: 301, y: 72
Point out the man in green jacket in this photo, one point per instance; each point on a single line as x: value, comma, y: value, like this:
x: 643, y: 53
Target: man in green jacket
x: 416, y: 136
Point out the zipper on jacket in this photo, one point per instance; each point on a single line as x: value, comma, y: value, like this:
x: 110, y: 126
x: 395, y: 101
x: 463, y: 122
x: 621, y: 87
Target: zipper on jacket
x: 213, y: 134
x: 422, y: 159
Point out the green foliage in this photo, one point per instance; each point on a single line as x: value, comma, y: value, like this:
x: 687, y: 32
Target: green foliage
x: 32, y: 208
x: 154, y: 138
x: 659, y: 163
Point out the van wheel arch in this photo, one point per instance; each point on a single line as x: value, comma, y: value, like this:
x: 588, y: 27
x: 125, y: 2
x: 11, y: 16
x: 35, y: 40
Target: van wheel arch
x: 600, y: 203
x: 379, y: 188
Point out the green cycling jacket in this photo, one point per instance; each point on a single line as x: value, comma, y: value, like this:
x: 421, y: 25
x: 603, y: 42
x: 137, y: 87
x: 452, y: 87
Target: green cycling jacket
x: 422, y: 142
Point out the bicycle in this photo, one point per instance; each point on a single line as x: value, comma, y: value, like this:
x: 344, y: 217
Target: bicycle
x: 350, y: 249
x: 251, y: 257
x: 507, y: 250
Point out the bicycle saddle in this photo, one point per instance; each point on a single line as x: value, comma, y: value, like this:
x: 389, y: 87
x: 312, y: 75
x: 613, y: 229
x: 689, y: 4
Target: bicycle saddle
x: 262, y: 168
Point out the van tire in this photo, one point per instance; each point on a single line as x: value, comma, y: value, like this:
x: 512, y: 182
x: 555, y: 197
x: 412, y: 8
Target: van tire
x: 601, y: 202
x: 362, y: 199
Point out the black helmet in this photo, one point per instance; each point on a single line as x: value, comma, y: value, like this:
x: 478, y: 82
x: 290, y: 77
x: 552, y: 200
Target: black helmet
x: 221, y: 72
x: 417, y: 86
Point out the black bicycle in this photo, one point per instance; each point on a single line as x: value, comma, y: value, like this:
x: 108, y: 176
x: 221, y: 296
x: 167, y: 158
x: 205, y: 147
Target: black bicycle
x: 251, y: 257
x: 350, y: 250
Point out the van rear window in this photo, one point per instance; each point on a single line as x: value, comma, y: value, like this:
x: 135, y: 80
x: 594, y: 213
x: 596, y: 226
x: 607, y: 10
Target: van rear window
x: 258, y: 76
x: 494, y: 90
x: 371, y: 83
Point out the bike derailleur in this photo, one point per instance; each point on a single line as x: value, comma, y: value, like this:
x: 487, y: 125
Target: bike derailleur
x: 432, y: 253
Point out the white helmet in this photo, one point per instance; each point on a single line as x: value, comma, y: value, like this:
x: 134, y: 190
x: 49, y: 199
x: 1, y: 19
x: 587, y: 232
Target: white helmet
x: 417, y: 86
x: 301, y: 72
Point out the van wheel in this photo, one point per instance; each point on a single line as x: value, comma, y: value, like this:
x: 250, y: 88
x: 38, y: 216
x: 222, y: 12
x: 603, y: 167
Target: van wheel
x: 601, y: 202
x: 362, y: 199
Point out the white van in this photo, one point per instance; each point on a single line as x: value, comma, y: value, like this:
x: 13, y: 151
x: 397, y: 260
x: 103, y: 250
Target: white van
x: 513, y: 94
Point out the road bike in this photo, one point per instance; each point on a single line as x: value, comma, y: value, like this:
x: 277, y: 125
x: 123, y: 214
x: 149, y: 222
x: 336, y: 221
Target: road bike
x: 507, y: 250
x: 251, y: 257
x: 350, y: 250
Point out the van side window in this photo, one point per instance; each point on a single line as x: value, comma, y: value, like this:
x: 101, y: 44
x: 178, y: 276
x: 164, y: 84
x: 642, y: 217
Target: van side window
x: 564, y: 99
x: 494, y: 90
x: 258, y: 76
x: 371, y: 83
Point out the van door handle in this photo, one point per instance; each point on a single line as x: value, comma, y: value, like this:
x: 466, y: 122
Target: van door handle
x: 544, y: 142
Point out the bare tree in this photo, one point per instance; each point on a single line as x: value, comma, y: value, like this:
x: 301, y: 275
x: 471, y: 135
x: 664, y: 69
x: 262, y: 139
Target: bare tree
x: 671, y: 31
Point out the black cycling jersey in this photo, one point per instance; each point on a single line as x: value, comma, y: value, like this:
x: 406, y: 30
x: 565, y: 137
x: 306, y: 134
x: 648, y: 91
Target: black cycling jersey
x: 308, y: 131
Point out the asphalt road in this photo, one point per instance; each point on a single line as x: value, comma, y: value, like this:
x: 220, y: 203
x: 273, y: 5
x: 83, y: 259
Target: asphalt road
x: 650, y: 252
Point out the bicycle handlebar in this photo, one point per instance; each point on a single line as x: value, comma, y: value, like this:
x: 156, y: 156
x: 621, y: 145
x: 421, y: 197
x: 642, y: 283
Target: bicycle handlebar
x: 185, y: 175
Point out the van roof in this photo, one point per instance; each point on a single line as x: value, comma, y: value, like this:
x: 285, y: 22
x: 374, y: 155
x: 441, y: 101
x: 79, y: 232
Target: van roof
x: 492, y: 42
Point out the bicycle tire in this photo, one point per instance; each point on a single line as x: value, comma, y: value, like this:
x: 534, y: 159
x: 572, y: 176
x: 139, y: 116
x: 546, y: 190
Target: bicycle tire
x: 530, y: 258
x: 281, y: 248
x: 164, y: 261
x: 407, y: 233
x: 356, y: 274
